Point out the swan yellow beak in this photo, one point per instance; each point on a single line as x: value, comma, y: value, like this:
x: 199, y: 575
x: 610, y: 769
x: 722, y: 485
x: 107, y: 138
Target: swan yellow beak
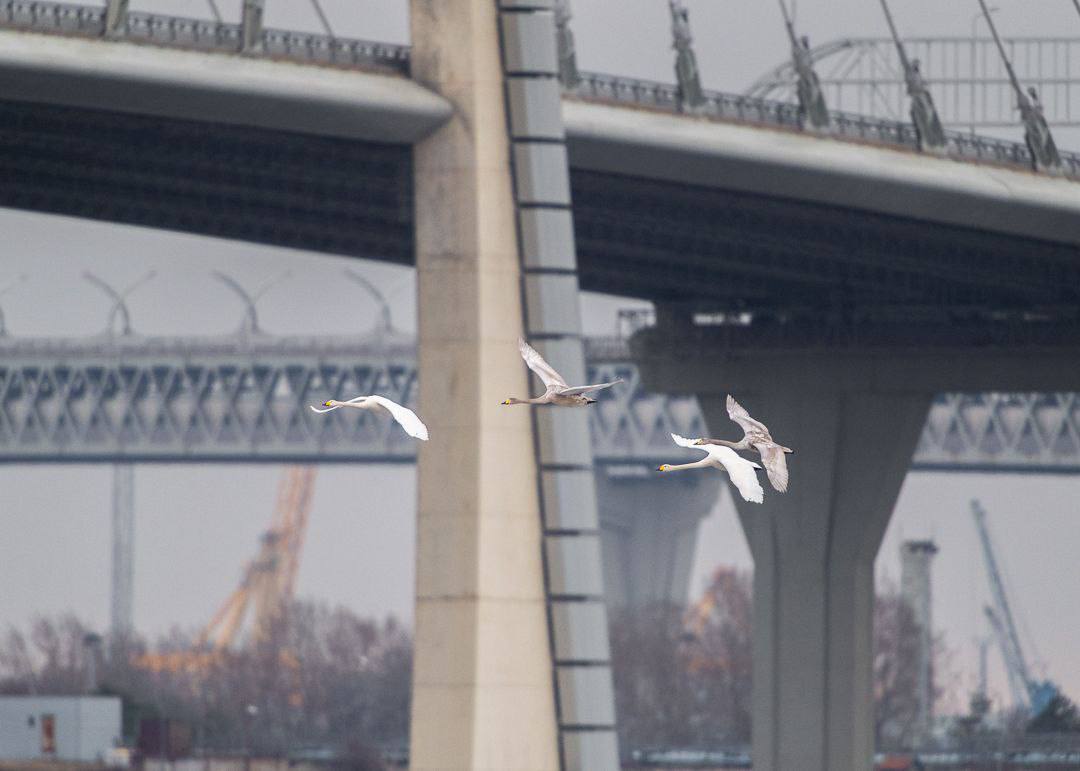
x: 662, y: 468
x: 327, y: 404
x: 505, y: 401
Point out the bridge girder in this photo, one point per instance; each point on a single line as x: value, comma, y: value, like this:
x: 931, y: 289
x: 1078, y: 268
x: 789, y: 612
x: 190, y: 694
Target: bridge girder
x: 244, y: 400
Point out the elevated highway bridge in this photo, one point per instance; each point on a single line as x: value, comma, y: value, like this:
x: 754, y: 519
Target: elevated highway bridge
x: 839, y: 282
x: 244, y: 398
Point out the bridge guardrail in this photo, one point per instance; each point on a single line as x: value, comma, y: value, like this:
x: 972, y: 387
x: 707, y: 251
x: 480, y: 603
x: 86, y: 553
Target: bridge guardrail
x: 766, y: 112
x: 203, y: 35
x: 210, y: 35
x: 40, y: 16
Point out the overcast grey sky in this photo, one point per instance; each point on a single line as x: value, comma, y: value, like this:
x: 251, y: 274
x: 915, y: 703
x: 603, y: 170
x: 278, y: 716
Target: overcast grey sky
x: 196, y: 525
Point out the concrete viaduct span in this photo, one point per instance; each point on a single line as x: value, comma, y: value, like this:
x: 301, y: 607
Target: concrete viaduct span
x: 836, y: 285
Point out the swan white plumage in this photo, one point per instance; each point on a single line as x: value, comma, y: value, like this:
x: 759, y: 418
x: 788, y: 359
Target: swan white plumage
x: 558, y: 391
x: 756, y: 436
x: 405, y: 417
x: 739, y: 469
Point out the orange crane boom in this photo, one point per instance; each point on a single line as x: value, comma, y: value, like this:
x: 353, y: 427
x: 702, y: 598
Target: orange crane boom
x: 267, y: 586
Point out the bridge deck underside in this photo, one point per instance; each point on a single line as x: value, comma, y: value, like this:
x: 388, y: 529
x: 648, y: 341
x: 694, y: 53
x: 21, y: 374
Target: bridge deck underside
x: 807, y: 273
x: 319, y: 193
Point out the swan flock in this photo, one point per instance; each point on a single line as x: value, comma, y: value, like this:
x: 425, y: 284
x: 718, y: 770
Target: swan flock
x: 719, y: 453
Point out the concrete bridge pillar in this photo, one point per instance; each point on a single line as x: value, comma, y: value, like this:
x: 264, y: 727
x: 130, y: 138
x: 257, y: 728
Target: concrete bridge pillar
x: 512, y: 664
x: 814, y: 550
x: 853, y: 415
x: 854, y: 426
x: 482, y: 682
x: 649, y: 526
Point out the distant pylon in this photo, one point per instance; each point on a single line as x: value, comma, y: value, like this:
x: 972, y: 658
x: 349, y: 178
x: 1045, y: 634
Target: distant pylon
x: 691, y: 96
x: 251, y: 27
x: 123, y: 553
x: 115, y: 17
x: 564, y: 40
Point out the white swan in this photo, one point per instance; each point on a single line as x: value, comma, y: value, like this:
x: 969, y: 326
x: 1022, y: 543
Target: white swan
x: 756, y: 436
x: 405, y: 417
x: 739, y: 469
x: 558, y: 392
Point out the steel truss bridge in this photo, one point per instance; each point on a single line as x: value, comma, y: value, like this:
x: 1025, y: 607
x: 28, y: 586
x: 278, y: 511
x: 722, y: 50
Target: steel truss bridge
x: 245, y: 397
x: 970, y: 85
x: 877, y: 121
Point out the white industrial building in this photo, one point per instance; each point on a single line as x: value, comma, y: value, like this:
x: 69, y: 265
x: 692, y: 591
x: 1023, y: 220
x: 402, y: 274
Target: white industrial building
x: 82, y: 728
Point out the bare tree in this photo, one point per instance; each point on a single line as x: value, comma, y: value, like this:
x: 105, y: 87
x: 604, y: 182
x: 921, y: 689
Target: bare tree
x: 896, y: 662
x: 321, y: 678
x: 684, y: 679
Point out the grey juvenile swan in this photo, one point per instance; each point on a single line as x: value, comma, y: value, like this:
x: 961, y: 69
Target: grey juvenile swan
x: 756, y: 436
x: 558, y: 392
x: 405, y: 417
x: 741, y: 470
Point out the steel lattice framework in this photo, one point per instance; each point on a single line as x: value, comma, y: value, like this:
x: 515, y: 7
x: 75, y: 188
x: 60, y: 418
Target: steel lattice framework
x: 966, y: 77
x: 1000, y: 432
x: 244, y: 399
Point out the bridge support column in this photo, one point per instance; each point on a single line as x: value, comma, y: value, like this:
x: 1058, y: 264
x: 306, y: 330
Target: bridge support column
x: 854, y: 420
x: 814, y: 550
x: 649, y: 530
x: 483, y: 676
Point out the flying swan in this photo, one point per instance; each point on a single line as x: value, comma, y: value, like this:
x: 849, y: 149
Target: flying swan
x: 558, y: 392
x: 405, y: 417
x: 739, y: 469
x: 757, y: 437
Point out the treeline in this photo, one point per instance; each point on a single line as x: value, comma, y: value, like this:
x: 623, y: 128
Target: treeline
x: 327, y: 679
x: 683, y: 678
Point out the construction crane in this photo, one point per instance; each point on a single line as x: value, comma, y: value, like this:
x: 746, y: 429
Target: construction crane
x: 1031, y: 694
x: 266, y: 587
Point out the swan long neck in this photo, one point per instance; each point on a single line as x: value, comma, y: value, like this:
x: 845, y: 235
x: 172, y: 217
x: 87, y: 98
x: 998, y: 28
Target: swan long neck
x: 699, y: 464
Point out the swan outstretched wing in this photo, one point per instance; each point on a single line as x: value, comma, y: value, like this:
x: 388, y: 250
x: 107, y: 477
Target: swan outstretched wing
x: 775, y: 462
x: 404, y: 416
x: 739, y: 414
x: 585, y: 389
x: 741, y: 472
x: 537, y: 364
x: 682, y: 441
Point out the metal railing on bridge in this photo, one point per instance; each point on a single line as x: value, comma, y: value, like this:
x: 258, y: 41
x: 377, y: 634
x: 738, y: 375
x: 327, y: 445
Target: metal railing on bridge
x: 213, y: 35
x: 203, y: 35
x: 766, y: 112
x: 245, y: 398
